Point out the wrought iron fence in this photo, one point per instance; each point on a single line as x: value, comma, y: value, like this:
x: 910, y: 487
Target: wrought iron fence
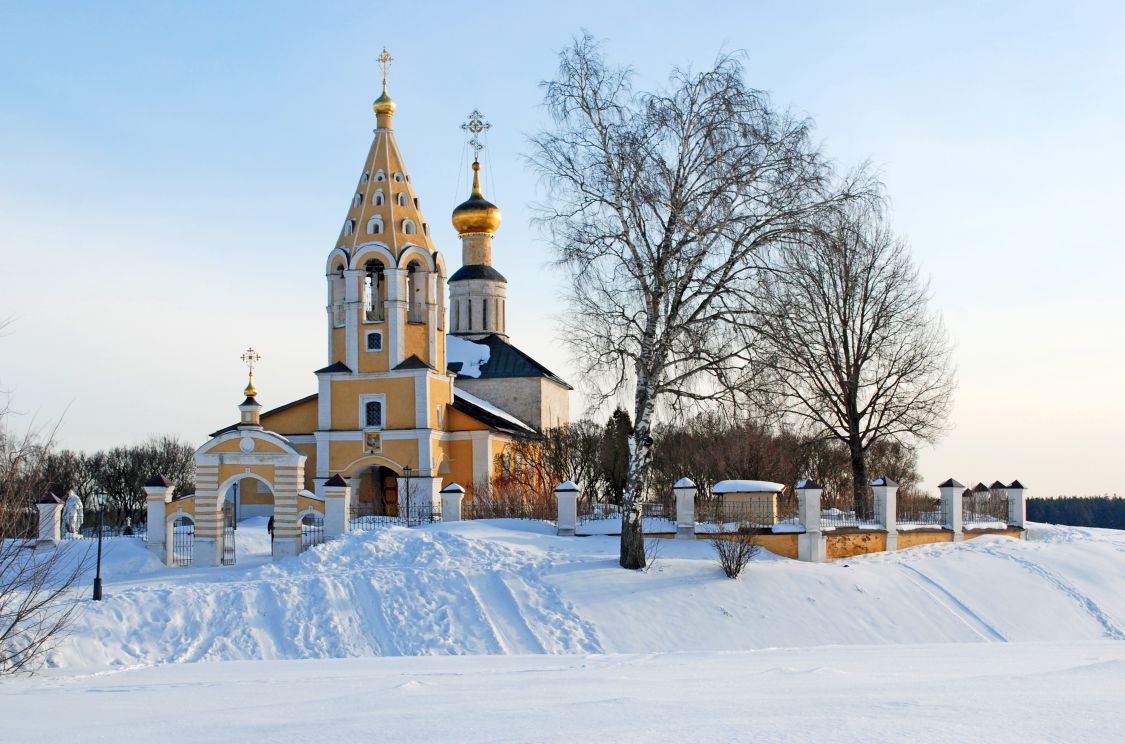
x: 128, y: 530
x: 743, y: 515
x: 363, y: 517
x: 183, y: 541
x: 229, y: 526
x: 595, y: 511
x: 537, y: 507
x: 841, y: 511
x: 312, y: 531
x: 919, y: 510
x: 984, y: 508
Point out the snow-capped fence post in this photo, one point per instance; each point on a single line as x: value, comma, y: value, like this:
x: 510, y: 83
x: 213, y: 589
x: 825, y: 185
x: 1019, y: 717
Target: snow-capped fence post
x: 452, y: 497
x: 1017, y: 505
x: 158, y: 494
x: 886, y: 497
x: 50, y: 522
x: 337, y: 506
x: 811, y: 543
x: 566, y: 494
x: 685, y: 492
x: 951, y: 506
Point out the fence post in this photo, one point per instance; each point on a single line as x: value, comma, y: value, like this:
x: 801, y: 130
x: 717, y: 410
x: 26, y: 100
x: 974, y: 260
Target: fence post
x: 886, y: 502
x: 566, y: 493
x: 1017, y: 505
x: 50, y: 522
x: 337, y: 506
x: 685, y: 492
x: 951, y: 492
x: 810, y: 543
x: 158, y: 494
x: 452, y: 497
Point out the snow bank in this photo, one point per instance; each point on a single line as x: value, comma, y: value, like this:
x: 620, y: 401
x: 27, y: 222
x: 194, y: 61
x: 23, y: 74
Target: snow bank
x: 747, y: 486
x: 510, y: 587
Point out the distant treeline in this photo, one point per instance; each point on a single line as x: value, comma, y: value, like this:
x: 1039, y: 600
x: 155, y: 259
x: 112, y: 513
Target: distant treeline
x: 1079, y: 511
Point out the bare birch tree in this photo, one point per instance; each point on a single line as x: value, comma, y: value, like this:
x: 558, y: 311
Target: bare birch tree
x: 852, y: 344
x: 658, y: 203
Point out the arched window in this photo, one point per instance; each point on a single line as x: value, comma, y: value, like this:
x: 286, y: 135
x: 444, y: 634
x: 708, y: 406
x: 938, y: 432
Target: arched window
x: 380, y: 176
x: 357, y: 199
x: 378, y: 198
x: 364, y: 178
x: 408, y: 228
x: 398, y: 176
x: 374, y: 291
x: 375, y: 225
x: 415, y: 292
x: 349, y: 227
x: 402, y: 200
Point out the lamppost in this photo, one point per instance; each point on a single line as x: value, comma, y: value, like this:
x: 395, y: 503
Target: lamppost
x: 409, y: 506
x: 99, y: 501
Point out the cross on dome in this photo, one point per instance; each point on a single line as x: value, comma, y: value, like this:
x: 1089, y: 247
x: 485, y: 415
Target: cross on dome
x: 250, y: 358
x: 384, y: 61
x: 476, y: 125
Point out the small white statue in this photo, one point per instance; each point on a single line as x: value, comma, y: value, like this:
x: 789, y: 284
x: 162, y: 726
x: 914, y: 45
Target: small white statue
x: 73, y: 514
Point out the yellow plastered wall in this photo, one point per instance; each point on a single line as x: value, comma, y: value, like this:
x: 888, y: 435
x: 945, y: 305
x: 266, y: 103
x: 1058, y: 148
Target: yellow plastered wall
x: 441, y: 394
x: 348, y: 456
x: 1013, y: 532
x: 305, y: 502
x: 460, y: 454
x: 848, y: 544
x: 232, y: 445
x: 298, y: 419
x: 457, y: 421
x: 339, y: 345
x: 373, y: 361
x: 400, y: 401
x: 416, y: 342
x: 912, y: 538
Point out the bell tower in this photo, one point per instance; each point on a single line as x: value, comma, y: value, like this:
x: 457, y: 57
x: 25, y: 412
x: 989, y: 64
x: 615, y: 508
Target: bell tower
x: 477, y: 291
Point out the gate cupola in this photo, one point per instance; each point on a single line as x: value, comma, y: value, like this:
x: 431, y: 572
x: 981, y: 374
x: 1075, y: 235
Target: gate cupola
x: 477, y: 291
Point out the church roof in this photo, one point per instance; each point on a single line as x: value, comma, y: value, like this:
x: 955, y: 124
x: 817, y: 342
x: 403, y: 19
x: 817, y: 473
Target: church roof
x: 477, y: 271
x: 488, y: 413
x: 505, y: 360
x: 334, y: 367
x: 413, y: 362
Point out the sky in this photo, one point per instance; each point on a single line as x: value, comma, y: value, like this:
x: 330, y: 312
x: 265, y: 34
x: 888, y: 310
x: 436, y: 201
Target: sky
x: 173, y: 176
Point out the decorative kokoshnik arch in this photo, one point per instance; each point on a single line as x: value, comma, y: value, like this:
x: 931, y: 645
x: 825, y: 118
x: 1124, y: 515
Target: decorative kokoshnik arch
x: 248, y: 451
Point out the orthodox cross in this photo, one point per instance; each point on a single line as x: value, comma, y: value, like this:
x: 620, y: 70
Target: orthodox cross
x: 250, y: 358
x: 384, y: 60
x: 476, y: 126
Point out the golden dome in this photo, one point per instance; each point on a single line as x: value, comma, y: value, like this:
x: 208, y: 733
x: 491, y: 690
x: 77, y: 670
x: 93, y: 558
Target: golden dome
x: 477, y: 214
x: 383, y: 104
x: 250, y: 390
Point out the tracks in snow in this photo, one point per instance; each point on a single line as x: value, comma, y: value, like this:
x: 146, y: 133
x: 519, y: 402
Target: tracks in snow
x: 956, y: 607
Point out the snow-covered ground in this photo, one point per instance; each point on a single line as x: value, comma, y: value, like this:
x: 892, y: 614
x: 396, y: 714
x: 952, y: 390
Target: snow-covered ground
x: 934, y: 643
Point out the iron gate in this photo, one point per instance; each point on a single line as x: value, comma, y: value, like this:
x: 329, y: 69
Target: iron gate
x: 183, y: 540
x: 312, y: 531
x: 228, y: 533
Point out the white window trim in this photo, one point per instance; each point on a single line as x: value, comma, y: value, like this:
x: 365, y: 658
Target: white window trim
x: 380, y: 176
x: 366, y: 347
x: 411, y: 230
x: 363, y: 401
x: 375, y: 220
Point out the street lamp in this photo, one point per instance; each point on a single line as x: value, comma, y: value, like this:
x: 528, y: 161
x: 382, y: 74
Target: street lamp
x: 99, y: 501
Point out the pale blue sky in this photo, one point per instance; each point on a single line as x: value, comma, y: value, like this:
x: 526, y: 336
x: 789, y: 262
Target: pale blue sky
x: 172, y: 177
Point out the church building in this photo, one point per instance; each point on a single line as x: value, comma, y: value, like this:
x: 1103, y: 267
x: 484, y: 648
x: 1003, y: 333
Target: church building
x: 416, y: 389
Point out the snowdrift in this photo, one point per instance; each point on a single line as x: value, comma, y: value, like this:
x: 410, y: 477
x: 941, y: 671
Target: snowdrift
x: 505, y: 587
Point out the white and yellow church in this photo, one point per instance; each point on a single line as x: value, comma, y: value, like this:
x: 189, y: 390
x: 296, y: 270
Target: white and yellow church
x: 418, y: 392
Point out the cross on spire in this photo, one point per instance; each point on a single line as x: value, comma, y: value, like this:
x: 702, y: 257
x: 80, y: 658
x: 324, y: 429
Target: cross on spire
x: 250, y: 358
x: 384, y: 61
x: 476, y: 126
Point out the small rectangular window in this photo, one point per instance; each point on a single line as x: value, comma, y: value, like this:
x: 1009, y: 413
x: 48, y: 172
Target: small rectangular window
x: 373, y: 414
x: 375, y: 341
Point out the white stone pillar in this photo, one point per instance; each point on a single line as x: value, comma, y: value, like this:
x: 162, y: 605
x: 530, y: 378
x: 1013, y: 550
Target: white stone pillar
x: 811, y: 543
x: 158, y: 494
x: 1017, y: 505
x: 886, y: 498
x: 396, y: 304
x: 50, y: 522
x: 685, y: 492
x: 451, y: 499
x: 567, y: 493
x: 337, y: 506
x: 951, y: 492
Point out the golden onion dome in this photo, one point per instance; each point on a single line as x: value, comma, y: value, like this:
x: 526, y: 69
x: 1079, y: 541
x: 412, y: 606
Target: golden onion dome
x: 476, y: 214
x: 383, y: 104
x: 250, y: 390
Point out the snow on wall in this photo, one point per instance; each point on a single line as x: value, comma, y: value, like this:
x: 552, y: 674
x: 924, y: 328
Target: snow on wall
x: 482, y: 403
x: 747, y: 486
x: 470, y: 355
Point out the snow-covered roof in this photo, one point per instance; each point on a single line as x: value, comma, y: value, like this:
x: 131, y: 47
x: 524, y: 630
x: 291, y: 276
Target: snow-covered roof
x: 466, y: 353
x: 747, y: 486
x: 484, y: 405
